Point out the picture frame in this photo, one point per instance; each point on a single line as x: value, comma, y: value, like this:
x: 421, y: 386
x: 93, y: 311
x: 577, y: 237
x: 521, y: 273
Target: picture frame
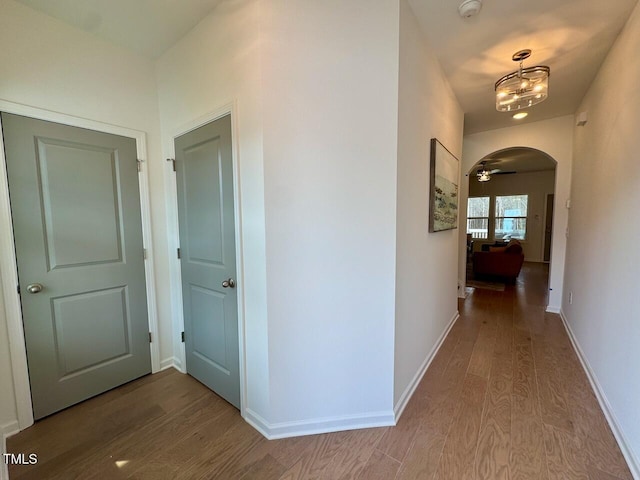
x: 444, y: 179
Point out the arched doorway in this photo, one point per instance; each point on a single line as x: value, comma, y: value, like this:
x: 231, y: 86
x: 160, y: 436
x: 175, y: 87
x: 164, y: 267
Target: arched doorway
x: 510, y: 194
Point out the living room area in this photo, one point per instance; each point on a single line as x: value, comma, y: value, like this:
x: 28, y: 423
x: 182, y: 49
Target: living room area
x: 509, y: 218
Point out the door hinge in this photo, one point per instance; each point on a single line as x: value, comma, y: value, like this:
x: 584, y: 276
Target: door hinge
x: 150, y: 341
x: 182, y: 336
x: 139, y: 162
x: 144, y: 253
x: 173, y: 163
x: 179, y: 254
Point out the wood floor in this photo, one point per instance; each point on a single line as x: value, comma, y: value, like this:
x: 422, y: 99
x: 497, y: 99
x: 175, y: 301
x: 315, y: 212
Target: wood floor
x: 505, y: 398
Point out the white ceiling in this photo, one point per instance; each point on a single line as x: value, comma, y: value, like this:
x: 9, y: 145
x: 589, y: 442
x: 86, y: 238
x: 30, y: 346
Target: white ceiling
x: 148, y: 27
x: 571, y: 36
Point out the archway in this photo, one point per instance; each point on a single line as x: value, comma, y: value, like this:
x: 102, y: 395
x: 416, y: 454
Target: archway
x: 511, y: 196
x: 553, y: 137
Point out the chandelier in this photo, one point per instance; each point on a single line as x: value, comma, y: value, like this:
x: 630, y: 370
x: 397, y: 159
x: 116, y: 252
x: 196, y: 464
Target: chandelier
x: 523, y: 88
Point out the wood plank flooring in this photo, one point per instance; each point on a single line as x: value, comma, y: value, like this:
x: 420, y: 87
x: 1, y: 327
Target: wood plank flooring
x: 505, y: 398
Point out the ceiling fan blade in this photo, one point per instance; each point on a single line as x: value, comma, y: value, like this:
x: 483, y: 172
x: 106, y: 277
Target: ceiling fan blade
x: 495, y: 170
x: 504, y: 173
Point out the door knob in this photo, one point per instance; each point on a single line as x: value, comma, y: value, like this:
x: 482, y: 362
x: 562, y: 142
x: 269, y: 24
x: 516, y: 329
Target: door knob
x: 231, y: 283
x: 34, y: 288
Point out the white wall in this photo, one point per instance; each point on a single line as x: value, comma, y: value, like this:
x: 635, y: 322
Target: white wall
x: 537, y: 185
x: 330, y: 83
x: 603, y: 256
x: 427, y: 263
x: 216, y: 64
x: 316, y: 122
x: 553, y: 137
x: 47, y: 64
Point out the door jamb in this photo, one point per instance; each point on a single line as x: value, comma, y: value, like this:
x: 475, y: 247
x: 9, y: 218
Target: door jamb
x: 544, y: 223
x: 175, y: 270
x: 8, y: 264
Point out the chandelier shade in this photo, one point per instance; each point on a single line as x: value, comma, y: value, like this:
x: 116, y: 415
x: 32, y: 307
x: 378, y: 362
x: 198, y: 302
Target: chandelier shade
x: 523, y: 88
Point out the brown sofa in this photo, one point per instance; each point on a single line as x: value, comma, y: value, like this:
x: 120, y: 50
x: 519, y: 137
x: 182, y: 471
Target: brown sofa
x: 504, y: 262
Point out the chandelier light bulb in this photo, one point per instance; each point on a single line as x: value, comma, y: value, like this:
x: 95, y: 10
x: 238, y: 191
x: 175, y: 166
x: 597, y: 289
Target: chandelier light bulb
x: 523, y: 88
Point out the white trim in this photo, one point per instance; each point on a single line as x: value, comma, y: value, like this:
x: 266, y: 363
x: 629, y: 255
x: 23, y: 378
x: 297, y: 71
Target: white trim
x: 172, y: 362
x: 553, y: 309
x: 12, y: 306
x: 417, y: 378
x: 316, y: 426
x: 6, y: 430
x: 147, y: 239
x: 174, y: 239
x: 8, y: 266
x: 632, y: 462
x: 9, y: 429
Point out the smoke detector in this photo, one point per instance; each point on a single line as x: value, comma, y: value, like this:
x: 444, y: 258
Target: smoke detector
x: 469, y: 8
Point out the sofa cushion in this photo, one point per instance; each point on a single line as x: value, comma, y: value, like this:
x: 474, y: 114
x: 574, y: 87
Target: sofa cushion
x: 497, y: 249
x: 513, y: 246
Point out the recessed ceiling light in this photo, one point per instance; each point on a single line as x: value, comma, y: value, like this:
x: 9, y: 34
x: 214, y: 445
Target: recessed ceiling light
x: 520, y: 116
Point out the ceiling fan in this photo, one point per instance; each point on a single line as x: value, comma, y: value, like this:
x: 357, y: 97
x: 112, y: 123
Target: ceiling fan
x: 484, y: 175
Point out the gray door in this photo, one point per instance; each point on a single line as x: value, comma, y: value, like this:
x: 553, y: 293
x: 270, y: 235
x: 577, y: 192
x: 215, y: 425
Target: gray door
x: 204, y: 172
x: 77, y: 226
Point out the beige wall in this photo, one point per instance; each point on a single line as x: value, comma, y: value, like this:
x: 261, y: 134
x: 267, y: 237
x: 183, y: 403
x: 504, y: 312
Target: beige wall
x: 537, y: 185
x: 603, y: 253
x: 426, y: 284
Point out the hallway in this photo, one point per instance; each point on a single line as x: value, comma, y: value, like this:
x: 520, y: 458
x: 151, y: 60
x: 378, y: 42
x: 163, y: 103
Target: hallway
x: 506, y: 397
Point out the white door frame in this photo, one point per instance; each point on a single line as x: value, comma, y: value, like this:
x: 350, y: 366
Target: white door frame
x: 175, y: 270
x: 8, y: 264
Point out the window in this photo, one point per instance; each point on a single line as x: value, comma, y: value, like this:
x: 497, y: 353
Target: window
x: 511, y: 217
x: 478, y: 217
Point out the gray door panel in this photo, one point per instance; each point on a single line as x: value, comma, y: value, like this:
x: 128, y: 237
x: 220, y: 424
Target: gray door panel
x: 204, y: 172
x: 77, y: 225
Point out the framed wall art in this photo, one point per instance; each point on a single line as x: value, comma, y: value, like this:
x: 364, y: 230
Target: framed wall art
x: 444, y: 173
